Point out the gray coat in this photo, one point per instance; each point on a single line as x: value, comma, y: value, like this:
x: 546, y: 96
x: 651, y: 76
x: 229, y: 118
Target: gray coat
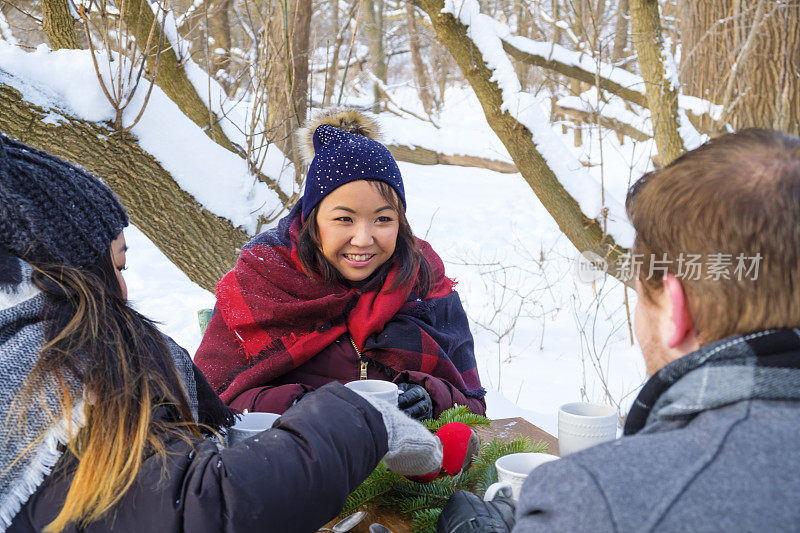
x: 720, y: 451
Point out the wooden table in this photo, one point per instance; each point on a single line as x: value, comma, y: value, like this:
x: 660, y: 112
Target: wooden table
x: 503, y: 428
x: 510, y: 428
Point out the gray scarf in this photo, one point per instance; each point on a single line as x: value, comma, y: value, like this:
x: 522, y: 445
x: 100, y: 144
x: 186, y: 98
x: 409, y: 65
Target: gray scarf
x: 21, y: 337
x: 758, y: 366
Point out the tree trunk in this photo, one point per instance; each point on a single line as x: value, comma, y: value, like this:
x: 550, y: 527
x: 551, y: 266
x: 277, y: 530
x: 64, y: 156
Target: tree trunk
x: 332, y: 74
x: 597, y: 23
x: 373, y: 18
x: 580, y: 21
x: 288, y: 83
x: 583, y: 116
x: 171, y: 76
x: 201, y: 244
x: 628, y: 90
x: 660, y: 93
x: 5, y: 29
x: 523, y: 28
x: 58, y: 25
x: 420, y: 71
x: 556, y: 5
x: 172, y: 79
x: 442, y: 69
x: 585, y: 233
x: 754, y: 78
x: 220, y: 30
x: 621, y: 31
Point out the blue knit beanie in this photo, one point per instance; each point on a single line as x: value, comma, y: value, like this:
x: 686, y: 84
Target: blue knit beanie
x: 342, y: 147
x: 51, y: 211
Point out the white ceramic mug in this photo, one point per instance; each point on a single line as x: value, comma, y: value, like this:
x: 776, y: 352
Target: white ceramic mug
x: 249, y: 424
x: 512, y: 470
x: 377, y: 388
x: 582, y: 425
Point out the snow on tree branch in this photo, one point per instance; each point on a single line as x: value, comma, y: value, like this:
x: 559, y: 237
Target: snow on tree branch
x: 217, y: 178
x: 487, y: 34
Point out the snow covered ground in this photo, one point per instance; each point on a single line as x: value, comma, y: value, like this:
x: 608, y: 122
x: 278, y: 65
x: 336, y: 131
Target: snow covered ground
x: 492, y: 232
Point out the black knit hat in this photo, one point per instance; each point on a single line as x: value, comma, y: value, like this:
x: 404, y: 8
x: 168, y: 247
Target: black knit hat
x: 51, y: 211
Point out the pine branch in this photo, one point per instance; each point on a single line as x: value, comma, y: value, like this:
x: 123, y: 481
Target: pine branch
x: 459, y: 413
x: 425, y: 520
x: 380, y: 482
x: 423, y: 502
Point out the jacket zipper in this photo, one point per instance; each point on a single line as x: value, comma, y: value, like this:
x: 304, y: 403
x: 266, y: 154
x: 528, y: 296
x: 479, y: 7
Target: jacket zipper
x: 363, y: 363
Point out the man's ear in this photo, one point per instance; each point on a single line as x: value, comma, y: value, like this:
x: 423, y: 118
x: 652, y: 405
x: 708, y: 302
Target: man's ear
x: 680, y: 320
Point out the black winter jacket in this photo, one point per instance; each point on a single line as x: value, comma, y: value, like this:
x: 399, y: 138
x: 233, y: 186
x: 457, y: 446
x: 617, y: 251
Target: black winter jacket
x: 293, y: 477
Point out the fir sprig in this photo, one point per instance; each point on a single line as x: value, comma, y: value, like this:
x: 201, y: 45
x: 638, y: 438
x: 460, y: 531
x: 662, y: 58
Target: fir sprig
x: 425, y: 520
x: 459, y: 413
x: 423, y: 502
x: 379, y: 483
x: 491, y: 451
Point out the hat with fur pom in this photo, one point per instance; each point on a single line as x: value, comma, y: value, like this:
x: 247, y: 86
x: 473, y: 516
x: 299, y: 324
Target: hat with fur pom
x: 341, y: 146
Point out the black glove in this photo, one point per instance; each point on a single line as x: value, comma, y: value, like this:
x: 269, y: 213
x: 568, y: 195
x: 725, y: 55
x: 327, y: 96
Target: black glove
x: 465, y: 512
x: 415, y: 401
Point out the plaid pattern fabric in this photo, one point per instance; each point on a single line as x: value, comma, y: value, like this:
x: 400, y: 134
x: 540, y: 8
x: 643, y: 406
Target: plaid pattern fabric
x: 283, y: 318
x: 760, y: 366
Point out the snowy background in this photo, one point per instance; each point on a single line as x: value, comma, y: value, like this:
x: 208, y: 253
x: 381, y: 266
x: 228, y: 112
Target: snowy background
x: 568, y: 338
x: 542, y: 337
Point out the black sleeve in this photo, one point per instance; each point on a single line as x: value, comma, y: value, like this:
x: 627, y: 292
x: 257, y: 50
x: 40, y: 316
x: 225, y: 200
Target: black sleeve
x: 293, y: 477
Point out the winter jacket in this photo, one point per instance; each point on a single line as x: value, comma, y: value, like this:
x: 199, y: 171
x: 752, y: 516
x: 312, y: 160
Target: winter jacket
x: 336, y: 362
x: 278, y: 331
x: 292, y: 478
x: 711, y: 444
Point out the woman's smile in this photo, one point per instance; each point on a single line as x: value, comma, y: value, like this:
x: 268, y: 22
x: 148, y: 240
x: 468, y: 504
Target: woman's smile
x: 358, y: 260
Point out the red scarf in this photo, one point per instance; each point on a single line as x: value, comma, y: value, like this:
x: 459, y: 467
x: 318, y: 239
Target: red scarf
x: 283, y: 317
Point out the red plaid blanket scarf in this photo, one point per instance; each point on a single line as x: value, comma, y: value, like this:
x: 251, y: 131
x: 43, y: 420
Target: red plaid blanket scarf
x: 282, y: 318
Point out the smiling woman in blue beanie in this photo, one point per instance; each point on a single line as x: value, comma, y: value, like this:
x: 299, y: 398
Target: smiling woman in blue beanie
x: 104, y: 422
x: 341, y: 290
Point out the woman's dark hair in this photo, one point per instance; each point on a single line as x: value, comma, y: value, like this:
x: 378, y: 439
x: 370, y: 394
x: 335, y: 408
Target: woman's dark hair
x: 126, y: 372
x: 412, y: 267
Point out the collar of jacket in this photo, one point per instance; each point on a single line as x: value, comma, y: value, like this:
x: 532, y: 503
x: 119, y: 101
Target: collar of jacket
x: 758, y: 366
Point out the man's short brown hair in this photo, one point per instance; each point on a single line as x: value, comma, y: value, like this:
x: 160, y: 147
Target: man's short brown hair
x: 737, y: 195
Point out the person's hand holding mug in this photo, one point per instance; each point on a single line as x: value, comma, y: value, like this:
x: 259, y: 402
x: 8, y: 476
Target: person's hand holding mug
x: 465, y: 512
x: 413, y: 450
x: 415, y: 401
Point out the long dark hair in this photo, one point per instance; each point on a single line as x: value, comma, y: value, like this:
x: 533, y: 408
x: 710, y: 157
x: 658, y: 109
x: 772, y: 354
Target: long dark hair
x: 407, y: 255
x: 126, y: 373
